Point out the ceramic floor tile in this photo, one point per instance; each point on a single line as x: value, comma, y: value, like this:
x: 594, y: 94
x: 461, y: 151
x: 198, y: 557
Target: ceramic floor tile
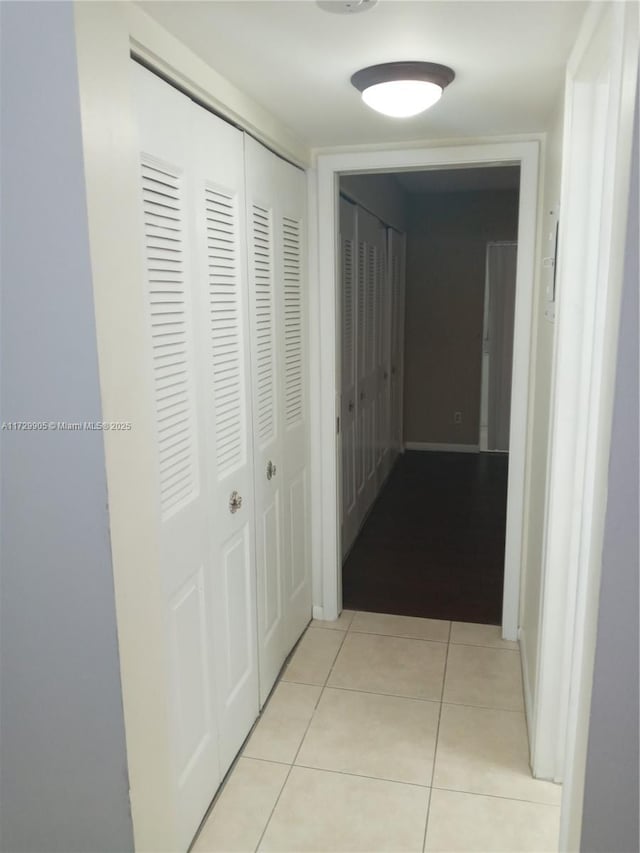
x: 484, y: 751
x: 342, y: 623
x: 283, y: 723
x: 241, y: 813
x: 480, y: 635
x: 387, y: 737
x: 489, y: 678
x: 390, y: 665
x: 401, y: 626
x: 321, y: 812
x: 470, y: 823
x: 314, y: 657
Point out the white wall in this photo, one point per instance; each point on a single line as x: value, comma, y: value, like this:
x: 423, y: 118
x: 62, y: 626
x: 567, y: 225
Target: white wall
x: 538, y: 437
x: 381, y: 194
x: 64, y: 784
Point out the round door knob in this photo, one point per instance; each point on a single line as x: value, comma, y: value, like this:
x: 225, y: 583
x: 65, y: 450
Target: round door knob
x: 271, y: 470
x: 235, y: 502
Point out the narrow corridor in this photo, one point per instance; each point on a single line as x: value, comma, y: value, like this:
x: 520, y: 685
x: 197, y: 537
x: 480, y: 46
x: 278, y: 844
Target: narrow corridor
x: 433, y: 544
x: 389, y: 733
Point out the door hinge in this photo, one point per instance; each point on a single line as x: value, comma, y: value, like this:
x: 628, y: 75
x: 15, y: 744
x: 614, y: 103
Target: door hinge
x: 338, y: 425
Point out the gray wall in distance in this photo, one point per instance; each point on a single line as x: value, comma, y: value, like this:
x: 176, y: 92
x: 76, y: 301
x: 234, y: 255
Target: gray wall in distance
x: 446, y: 251
x: 63, y: 767
x: 610, y: 811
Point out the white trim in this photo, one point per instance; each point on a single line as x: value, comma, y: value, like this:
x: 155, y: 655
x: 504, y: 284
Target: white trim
x: 326, y: 357
x: 526, y: 680
x: 599, y: 105
x: 448, y: 448
x: 318, y: 613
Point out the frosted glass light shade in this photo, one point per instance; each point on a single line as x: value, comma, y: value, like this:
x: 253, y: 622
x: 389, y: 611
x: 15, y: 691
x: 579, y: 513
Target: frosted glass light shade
x: 402, y: 89
x: 402, y: 98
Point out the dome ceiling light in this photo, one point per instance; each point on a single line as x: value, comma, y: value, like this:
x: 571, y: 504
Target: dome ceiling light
x: 402, y: 89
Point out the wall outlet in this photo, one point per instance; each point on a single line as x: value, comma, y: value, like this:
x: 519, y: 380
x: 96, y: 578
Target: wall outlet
x: 457, y: 417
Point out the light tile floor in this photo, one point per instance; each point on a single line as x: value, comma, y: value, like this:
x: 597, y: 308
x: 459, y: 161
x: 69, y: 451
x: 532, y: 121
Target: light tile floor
x: 388, y: 733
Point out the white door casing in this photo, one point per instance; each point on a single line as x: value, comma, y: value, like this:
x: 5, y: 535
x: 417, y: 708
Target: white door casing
x: 326, y: 355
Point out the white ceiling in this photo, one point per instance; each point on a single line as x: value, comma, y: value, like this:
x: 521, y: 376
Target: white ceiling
x: 296, y: 60
x: 460, y: 180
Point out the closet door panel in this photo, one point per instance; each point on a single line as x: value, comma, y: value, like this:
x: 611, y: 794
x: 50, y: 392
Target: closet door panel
x: 262, y: 222
x: 291, y: 272
x: 184, y: 555
x: 218, y: 166
x: 368, y: 283
x: 350, y: 338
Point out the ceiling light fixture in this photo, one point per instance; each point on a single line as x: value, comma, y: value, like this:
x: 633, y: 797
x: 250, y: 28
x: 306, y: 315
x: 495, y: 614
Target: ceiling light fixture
x: 402, y: 89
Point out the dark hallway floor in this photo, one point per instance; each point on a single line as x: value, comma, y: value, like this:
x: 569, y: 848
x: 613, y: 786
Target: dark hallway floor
x: 433, y: 544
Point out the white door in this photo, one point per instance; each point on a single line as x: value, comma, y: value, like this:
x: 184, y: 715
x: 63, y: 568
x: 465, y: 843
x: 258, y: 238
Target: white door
x: 263, y: 300
x: 276, y: 203
x: 382, y: 372
x: 290, y: 244
x: 368, y: 251
x: 217, y: 163
x: 348, y: 424
x: 396, y: 264
x: 185, y: 558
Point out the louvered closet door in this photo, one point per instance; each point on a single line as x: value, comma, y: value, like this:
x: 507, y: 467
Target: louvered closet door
x: 383, y: 326
x: 348, y: 428
x: 368, y: 251
x: 218, y: 167
x: 290, y: 218
x: 262, y: 225
x: 396, y: 265
x: 185, y: 558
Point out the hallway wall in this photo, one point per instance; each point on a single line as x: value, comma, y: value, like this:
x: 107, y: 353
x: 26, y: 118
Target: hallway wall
x: 446, y: 246
x: 64, y: 784
x: 380, y: 194
x: 540, y: 402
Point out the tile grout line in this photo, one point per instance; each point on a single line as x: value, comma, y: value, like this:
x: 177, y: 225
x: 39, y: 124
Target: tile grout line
x: 435, y: 747
x: 292, y: 765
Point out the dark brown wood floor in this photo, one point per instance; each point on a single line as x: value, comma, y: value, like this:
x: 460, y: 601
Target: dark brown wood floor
x: 433, y: 544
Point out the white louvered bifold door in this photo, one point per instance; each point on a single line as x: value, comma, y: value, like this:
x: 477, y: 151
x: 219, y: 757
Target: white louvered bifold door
x: 291, y: 266
x: 368, y: 272
x: 348, y: 424
x: 261, y: 219
x: 382, y: 361
x: 397, y: 273
x: 276, y: 205
x: 222, y: 299
x: 185, y: 558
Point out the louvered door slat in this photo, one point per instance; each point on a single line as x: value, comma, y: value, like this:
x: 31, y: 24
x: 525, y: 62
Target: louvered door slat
x: 262, y: 266
x: 225, y: 324
x: 293, y: 380
x: 170, y: 329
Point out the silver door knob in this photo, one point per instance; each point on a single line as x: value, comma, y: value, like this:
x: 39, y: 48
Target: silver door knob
x: 235, y: 502
x: 271, y: 470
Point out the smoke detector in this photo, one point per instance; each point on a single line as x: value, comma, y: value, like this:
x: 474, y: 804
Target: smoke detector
x: 346, y: 7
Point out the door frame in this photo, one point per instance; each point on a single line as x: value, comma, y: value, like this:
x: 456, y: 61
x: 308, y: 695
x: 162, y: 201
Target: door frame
x: 325, y: 355
x: 599, y: 112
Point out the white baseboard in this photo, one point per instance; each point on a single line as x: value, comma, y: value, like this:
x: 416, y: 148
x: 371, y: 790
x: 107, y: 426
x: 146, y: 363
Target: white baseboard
x: 432, y: 445
x: 527, y: 689
x: 318, y: 612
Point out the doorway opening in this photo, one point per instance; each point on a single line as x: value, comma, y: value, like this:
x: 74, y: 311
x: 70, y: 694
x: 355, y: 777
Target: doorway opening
x: 326, y: 350
x: 427, y: 274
